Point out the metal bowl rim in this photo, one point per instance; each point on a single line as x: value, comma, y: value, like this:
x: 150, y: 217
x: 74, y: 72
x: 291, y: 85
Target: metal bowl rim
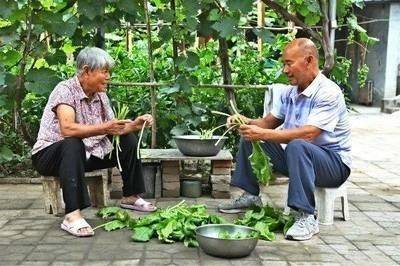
x: 184, y: 137
x: 217, y: 238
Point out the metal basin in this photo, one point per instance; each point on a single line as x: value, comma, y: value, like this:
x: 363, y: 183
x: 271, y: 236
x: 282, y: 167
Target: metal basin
x: 207, y: 236
x: 192, y: 145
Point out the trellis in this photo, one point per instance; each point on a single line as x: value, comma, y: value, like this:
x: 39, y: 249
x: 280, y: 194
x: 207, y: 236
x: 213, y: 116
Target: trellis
x: 223, y: 55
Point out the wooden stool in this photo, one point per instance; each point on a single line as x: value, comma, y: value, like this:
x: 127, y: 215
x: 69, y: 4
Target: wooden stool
x: 97, y: 182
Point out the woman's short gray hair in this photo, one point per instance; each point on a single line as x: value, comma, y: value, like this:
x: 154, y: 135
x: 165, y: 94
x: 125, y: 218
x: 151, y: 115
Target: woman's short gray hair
x: 93, y: 57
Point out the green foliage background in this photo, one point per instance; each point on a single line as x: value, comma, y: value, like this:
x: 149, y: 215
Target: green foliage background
x: 39, y: 39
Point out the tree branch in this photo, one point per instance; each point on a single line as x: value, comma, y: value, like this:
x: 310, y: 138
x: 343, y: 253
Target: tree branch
x: 290, y: 17
x: 226, y: 69
x: 70, y: 4
x: 326, y: 43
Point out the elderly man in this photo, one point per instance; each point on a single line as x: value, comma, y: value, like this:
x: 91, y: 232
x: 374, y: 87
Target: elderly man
x: 74, y: 137
x: 316, y: 130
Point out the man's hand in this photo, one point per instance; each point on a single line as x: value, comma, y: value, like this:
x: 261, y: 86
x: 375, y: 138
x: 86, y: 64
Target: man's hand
x: 233, y: 119
x: 251, y: 132
x: 116, y: 127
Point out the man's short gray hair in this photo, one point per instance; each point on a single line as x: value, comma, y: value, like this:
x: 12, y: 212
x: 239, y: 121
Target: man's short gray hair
x: 93, y: 57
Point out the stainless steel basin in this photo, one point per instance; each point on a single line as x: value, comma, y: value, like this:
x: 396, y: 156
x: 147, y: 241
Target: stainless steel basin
x: 208, y: 238
x: 193, y: 145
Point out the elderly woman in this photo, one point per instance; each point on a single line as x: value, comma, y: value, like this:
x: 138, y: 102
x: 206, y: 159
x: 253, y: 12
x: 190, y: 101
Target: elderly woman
x: 74, y: 137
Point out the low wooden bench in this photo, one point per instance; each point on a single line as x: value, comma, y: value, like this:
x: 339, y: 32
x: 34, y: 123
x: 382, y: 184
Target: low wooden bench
x: 97, y: 182
x: 169, y: 159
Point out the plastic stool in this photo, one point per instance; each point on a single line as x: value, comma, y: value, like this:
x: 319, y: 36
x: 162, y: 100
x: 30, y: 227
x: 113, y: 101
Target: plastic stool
x: 325, y: 201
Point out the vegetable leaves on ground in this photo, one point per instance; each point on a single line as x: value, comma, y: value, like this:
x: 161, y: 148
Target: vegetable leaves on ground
x: 173, y: 224
x: 178, y: 223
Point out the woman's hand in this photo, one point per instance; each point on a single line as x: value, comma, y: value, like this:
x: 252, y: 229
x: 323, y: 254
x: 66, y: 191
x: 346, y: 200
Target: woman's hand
x: 139, y: 121
x: 116, y: 127
x: 137, y: 124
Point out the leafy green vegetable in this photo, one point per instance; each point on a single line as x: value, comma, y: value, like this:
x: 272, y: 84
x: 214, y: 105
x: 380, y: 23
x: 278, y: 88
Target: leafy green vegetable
x: 259, y: 160
x: 114, y: 225
x: 142, y: 234
x: 178, y: 223
x: 224, y: 235
x: 261, y: 164
x: 122, y: 216
x: 173, y: 224
x: 266, y: 220
x: 120, y: 113
x: 265, y: 233
x: 107, y: 212
x: 237, y: 235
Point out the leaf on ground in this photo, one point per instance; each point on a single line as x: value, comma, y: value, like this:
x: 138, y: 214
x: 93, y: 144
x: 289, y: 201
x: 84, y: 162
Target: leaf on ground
x: 114, y: 225
x: 107, y: 212
x: 264, y: 231
x: 165, y: 232
x: 190, y: 242
x: 142, y: 234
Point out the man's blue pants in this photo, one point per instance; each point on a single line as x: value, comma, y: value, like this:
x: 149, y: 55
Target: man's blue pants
x: 307, y: 165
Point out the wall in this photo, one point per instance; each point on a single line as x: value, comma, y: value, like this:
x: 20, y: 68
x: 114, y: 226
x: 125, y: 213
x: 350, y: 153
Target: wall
x: 376, y: 57
x: 393, y: 51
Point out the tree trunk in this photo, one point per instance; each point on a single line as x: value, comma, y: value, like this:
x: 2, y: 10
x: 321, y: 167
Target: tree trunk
x: 99, y: 39
x: 174, y: 43
x: 226, y: 69
x: 326, y: 39
x: 290, y: 17
x: 151, y: 74
x: 19, y: 86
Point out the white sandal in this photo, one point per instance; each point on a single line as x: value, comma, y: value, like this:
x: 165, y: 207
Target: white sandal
x: 139, y: 205
x: 74, y: 227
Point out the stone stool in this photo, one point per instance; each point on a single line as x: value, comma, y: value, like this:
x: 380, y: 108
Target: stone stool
x: 97, y: 182
x: 325, y: 203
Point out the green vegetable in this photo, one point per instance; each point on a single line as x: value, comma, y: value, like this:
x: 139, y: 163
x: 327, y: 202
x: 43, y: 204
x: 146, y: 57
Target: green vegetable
x: 259, y: 160
x: 114, y: 225
x: 120, y: 114
x: 208, y: 133
x: 266, y: 220
x: 122, y: 216
x: 142, y: 234
x: 140, y: 140
x: 238, y: 235
x: 107, y: 212
x: 261, y: 164
x: 173, y: 224
x: 178, y: 223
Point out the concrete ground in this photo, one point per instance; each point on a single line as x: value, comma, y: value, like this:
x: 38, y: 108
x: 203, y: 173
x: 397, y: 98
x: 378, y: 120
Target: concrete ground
x: 372, y: 237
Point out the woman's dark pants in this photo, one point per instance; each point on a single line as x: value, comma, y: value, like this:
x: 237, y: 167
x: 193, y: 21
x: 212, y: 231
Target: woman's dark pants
x: 306, y: 164
x: 66, y: 159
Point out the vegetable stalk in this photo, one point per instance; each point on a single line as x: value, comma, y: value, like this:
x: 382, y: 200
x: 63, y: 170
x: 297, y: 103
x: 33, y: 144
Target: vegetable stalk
x: 140, y: 140
x: 120, y: 114
x: 259, y: 160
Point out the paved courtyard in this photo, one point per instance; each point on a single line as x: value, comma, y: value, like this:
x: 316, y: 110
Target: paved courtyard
x: 372, y: 237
